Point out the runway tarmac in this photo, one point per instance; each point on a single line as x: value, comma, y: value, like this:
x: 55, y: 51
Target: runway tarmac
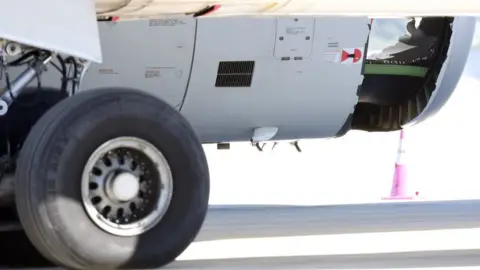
x: 409, y: 235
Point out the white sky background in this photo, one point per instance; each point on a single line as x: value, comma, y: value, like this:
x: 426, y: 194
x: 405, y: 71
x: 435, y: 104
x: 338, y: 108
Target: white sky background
x: 442, y: 156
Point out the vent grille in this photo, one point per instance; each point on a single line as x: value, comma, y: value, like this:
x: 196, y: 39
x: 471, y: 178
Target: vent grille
x: 235, y: 73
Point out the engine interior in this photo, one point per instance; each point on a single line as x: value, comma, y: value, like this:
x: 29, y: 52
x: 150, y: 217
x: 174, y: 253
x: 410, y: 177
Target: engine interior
x: 399, y: 80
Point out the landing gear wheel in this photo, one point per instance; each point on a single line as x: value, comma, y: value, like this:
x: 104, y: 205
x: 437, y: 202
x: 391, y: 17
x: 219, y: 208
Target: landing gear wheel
x: 112, y: 179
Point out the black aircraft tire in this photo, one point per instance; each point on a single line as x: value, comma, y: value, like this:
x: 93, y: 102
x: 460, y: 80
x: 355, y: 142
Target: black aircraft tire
x: 49, y: 195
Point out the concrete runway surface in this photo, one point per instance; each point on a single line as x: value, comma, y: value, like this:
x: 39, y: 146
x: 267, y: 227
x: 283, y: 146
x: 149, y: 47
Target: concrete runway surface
x: 407, y: 235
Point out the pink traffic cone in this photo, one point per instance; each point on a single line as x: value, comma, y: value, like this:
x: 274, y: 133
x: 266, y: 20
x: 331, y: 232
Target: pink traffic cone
x: 400, y: 189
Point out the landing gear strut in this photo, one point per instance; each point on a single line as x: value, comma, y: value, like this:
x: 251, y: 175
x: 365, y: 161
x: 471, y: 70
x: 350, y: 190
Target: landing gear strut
x: 13, y: 90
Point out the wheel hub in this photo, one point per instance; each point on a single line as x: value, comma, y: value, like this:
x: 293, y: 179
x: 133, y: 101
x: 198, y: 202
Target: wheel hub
x: 127, y: 186
x: 123, y: 187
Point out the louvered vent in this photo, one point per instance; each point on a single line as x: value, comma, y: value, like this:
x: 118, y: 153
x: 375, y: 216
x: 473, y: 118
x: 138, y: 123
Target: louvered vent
x: 235, y: 73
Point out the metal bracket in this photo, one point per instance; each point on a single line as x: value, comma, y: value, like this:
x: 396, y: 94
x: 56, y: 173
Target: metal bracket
x: 23, y: 80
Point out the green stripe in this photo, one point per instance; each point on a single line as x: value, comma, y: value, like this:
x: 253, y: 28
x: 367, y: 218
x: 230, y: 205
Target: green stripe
x: 401, y: 70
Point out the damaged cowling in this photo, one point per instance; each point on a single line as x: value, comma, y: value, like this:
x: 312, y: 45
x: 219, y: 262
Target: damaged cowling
x: 416, y: 50
x: 399, y: 82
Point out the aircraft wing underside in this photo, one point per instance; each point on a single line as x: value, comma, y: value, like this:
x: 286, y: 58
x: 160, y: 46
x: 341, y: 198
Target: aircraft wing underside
x: 148, y: 8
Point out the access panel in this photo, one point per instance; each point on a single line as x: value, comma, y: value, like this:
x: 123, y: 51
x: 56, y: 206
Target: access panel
x: 150, y: 55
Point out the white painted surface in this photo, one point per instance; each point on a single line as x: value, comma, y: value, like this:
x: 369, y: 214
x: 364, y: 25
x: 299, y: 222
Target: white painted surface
x: 68, y: 27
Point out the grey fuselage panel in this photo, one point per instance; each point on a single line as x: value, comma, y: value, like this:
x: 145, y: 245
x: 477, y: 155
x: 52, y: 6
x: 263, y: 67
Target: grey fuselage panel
x: 230, y: 75
x: 295, y: 84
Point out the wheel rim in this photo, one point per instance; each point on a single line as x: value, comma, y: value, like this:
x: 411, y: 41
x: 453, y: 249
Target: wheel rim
x: 127, y: 186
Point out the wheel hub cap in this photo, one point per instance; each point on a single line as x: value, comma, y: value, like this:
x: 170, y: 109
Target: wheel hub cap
x: 124, y: 187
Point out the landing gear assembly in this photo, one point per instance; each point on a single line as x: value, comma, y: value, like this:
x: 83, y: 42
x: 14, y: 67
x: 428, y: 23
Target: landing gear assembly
x: 101, y: 168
